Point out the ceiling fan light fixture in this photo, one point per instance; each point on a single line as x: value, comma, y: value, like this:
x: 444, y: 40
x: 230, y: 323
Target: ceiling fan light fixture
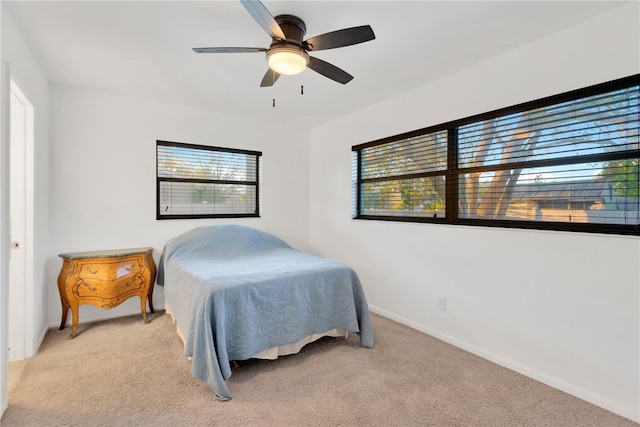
x: 287, y: 60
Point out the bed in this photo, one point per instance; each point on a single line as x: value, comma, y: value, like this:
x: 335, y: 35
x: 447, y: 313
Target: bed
x: 237, y: 293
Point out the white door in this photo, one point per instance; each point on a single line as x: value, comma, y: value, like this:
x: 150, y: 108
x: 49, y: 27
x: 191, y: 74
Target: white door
x: 17, y: 215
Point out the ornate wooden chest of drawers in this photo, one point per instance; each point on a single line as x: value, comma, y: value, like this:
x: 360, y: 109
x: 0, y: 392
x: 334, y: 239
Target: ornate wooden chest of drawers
x: 105, y: 279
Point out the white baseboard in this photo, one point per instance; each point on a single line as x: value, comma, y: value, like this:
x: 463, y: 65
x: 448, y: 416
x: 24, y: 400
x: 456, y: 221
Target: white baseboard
x: 579, y: 392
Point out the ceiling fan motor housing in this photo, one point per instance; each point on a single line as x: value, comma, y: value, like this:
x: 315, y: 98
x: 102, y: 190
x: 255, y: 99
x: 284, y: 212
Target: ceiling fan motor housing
x: 292, y: 27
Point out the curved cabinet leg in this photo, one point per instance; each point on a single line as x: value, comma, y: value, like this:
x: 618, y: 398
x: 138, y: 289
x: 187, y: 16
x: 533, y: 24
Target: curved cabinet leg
x: 150, y: 298
x: 74, y: 319
x: 143, y: 307
x: 65, y: 310
x: 65, y: 273
x: 151, y: 267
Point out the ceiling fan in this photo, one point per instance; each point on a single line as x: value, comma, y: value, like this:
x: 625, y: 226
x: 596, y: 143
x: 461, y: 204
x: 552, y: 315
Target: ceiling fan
x: 287, y: 53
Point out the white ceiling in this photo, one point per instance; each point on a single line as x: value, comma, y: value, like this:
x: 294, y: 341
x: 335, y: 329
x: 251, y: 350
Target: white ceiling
x: 143, y: 48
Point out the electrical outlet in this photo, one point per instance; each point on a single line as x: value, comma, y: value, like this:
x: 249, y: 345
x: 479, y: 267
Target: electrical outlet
x: 442, y: 303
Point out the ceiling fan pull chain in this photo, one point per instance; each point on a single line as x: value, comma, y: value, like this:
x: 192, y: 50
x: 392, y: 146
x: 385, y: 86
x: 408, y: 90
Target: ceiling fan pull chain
x: 274, y: 103
x: 301, y: 90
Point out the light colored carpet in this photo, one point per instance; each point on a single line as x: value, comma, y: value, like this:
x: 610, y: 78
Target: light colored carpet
x: 124, y: 373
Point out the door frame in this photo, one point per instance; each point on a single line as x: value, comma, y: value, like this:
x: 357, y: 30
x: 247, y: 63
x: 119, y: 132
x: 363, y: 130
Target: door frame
x: 4, y: 234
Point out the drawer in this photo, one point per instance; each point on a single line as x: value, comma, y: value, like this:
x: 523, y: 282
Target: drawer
x: 109, y: 279
x: 109, y: 271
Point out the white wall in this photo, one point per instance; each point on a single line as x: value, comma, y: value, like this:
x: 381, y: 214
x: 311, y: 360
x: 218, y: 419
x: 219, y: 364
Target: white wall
x: 26, y: 72
x: 560, y: 307
x: 103, y: 178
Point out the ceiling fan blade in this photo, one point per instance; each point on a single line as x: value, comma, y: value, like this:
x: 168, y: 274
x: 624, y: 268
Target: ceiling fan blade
x: 329, y: 70
x: 340, y: 38
x: 262, y: 16
x: 228, y: 49
x: 269, y: 78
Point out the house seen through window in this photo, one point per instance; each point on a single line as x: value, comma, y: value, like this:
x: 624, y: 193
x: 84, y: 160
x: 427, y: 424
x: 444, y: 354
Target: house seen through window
x: 568, y: 162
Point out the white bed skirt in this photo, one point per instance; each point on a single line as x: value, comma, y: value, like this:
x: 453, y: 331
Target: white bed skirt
x: 282, y: 350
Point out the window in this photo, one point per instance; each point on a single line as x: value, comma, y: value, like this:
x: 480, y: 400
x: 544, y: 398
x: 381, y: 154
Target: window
x: 405, y: 177
x: 567, y: 162
x: 196, y: 181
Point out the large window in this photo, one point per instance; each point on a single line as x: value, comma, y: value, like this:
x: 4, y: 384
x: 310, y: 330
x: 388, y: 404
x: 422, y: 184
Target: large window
x: 567, y: 162
x: 196, y: 181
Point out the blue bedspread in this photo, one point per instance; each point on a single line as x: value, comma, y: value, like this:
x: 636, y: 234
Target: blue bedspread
x: 235, y: 291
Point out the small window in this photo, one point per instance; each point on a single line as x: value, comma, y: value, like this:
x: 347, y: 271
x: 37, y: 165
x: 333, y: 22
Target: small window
x: 197, y: 181
x: 404, y: 178
x: 567, y: 162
